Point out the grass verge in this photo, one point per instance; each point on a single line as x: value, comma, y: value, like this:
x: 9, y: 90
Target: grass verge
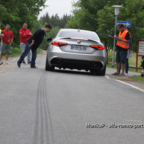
x: 138, y: 79
x: 131, y: 69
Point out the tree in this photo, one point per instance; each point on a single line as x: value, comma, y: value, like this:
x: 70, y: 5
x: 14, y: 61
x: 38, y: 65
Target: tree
x: 131, y: 11
x: 98, y: 16
x: 55, y: 20
x: 17, y: 12
x: 85, y: 13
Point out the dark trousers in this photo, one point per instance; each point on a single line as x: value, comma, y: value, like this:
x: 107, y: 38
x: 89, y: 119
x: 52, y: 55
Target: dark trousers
x: 25, y: 53
x: 127, y: 66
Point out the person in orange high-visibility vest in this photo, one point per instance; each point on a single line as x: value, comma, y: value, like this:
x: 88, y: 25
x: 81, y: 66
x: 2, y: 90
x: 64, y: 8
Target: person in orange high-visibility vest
x: 123, y: 41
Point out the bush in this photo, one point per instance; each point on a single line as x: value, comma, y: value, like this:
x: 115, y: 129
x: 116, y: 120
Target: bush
x: 15, y: 51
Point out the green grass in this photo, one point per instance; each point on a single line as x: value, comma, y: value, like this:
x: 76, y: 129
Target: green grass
x: 132, y: 62
x: 15, y: 51
x: 138, y: 79
x: 39, y: 51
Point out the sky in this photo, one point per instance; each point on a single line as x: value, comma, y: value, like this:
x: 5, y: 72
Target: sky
x: 58, y: 6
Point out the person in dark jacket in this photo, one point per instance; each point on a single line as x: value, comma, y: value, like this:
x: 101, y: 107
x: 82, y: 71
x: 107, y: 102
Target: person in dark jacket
x: 33, y: 43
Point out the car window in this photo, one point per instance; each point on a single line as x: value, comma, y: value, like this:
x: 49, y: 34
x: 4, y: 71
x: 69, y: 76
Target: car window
x: 79, y: 35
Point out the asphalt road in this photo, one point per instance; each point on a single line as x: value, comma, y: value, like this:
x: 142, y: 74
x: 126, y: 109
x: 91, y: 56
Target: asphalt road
x: 39, y: 107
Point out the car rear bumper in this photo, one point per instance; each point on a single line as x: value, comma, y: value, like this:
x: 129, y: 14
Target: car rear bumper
x: 76, y: 64
x: 58, y: 58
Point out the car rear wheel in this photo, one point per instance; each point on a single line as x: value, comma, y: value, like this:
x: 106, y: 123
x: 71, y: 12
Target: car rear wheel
x: 98, y: 72
x: 47, y: 66
x: 102, y: 72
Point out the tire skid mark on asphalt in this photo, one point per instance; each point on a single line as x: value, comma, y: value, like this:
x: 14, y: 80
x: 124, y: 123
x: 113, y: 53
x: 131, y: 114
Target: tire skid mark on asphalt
x: 47, y: 111
x: 43, y: 133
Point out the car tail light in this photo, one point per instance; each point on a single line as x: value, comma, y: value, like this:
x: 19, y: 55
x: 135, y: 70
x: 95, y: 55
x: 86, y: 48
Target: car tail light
x: 97, y: 47
x: 59, y: 43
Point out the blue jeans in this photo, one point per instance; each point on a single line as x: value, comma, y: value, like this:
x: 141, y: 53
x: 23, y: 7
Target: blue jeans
x: 23, y: 45
x: 127, y: 66
x: 25, y: 53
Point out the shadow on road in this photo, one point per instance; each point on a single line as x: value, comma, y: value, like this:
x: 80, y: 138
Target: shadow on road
x: 74, y: 72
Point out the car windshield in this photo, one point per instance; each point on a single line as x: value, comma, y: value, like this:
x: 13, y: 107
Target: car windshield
x: 79, y: 35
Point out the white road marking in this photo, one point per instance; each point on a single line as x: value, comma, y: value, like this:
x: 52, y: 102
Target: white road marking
x: 137, y: 88
x: 131, y: 85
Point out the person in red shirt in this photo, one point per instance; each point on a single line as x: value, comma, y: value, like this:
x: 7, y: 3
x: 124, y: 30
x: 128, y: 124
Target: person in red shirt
x: 7, y: 38
x: 25, y: 34
x: 0, y: 38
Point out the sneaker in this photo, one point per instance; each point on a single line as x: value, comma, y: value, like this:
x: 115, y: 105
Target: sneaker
x: 126, y: 74
x: 6, y: 62
x: 122, y: 74
x: 18, y: 64
x: 116, y: 73
x: 24, y: 62
x: 1, y: 62
x: 33, y: 67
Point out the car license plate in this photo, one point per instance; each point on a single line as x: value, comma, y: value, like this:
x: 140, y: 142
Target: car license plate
x: 78, y: 48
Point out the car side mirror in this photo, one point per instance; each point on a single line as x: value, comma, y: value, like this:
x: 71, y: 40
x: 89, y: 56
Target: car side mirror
x: 49, y: 39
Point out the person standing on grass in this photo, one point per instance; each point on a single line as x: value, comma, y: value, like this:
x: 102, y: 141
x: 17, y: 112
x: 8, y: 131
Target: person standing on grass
x: 7, y: 38
x: 123, y: 41
x: 33, y: 43
x: 25, y: 34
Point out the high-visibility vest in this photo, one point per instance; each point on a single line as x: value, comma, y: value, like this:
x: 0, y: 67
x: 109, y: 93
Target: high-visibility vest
x: 1, y: 38
x: 120, y: 43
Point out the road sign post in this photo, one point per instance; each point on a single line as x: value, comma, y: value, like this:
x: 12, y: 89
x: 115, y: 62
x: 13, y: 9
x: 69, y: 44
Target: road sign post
x: 114, y: 42
x: 116, y: 8
x: 140, y: 51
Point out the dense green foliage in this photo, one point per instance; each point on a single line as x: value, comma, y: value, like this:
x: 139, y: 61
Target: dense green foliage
x: 98, y: 16
x: 17, y: 12
x: 55, y: 20
x: 94, y: 15
x: 131, y: 11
